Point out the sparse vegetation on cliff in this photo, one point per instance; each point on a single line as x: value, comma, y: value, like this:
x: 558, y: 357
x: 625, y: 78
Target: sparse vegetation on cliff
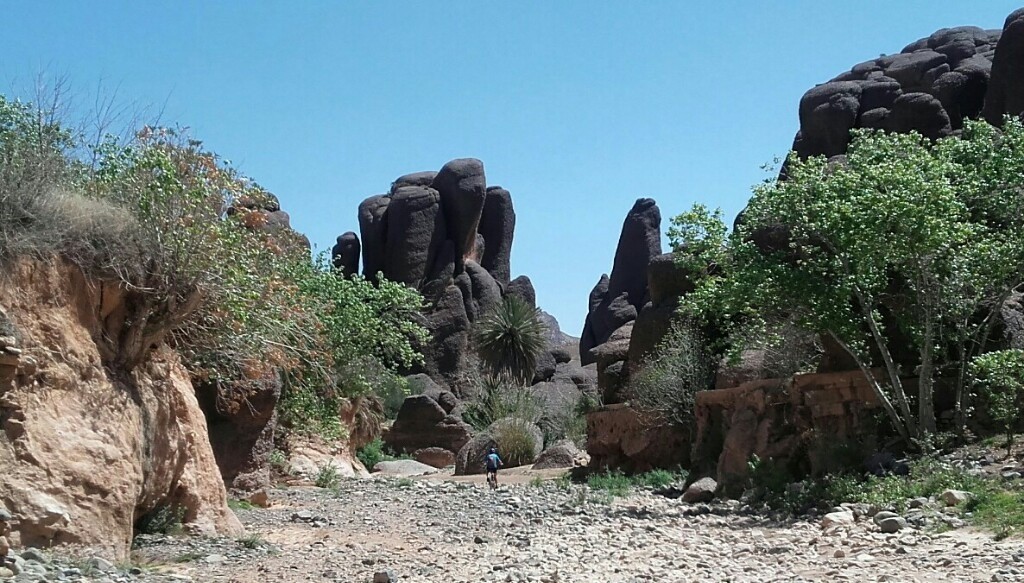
x: 188, y: 237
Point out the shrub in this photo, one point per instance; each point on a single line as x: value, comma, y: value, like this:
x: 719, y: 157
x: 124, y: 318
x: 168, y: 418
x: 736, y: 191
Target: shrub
x: 327, y: 476
x: 510, y: 339
x: 614, y: 483
x: 998, y: 381
x: 164, y: 519
x: 515, y: 441
x: 668, y: 380
x: 501, y: 398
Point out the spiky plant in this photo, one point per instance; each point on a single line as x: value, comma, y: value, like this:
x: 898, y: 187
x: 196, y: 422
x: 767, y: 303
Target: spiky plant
x: 511, y: 338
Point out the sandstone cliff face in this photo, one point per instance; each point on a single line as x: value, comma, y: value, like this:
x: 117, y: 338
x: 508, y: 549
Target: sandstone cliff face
x: 88, y: 450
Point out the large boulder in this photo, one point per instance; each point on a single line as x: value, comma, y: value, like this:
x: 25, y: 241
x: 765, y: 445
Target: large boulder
x: 562, y: 454
x: 463, y: 192
x: 373, y: 231
x: 619, y: 437
x: 639, y: 242
x: 470, y: 459
x: 485, y: 293
x: 345, y: 254
x: 415, y: 232
x: 414, y: 179
x: 423, y: 423
x: 497, y: 225
x: 449, y: 327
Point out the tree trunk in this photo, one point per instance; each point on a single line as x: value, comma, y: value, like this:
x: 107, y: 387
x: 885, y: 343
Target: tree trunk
x: 925, y: 383
x: 890, y: 367
x: 887, y: 406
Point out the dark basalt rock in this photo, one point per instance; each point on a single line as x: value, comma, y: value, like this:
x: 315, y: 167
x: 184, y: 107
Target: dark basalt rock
x: 373, y: 233
x: 463, y: 190
x: 415, y: 232
x: 345, y: 254
x: 1006, y: 87
x: 522, y: 288
x: 497, y: 225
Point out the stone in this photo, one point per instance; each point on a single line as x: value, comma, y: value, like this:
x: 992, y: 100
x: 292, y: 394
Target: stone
x: 545, y: 367
x: 259, y: 498
x: 563, y: 454
x: 497, y: 225
x: 667, y: 279
x: 345, y: 254
x: 889, y: 522
x: 403, y: 468
x: 462, y: 187
x: 827, y: 114
x: 437, y: 457
x: 619, y: 437
x: 385, y: 577
x: 414, y: 179
x: 954, y: 497
x: 484, y: 290
x: 449, y: 326
x: 919, y: 112
x: 639, y: 242
x: 835, y: 519
x: 101, y: 564
x: 703, y: 490
x: 422, y: 423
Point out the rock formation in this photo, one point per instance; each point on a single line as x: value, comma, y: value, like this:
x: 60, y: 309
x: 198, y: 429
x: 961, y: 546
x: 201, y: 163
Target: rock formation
x: 616, y: 300
x: 98, y: 449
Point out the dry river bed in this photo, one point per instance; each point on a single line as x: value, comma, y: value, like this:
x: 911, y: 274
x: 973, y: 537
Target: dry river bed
x: 402, y: 530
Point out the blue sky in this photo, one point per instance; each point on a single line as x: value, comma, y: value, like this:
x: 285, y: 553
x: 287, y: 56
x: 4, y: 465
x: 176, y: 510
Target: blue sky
x: 577, y: 107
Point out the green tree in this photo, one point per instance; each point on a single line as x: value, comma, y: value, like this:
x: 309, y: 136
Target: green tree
x: 902, y: 236
x: 998, y: 380
x: 511, y: 338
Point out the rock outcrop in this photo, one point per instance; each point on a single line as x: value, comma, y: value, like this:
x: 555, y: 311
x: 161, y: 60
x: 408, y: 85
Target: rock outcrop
x: 797, y: 423
x: 89, y: 450
x: 619, y: 437
x: 448, y: 235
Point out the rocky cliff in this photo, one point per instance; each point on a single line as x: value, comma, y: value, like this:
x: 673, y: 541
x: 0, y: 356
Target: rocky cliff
x: 88, y: 450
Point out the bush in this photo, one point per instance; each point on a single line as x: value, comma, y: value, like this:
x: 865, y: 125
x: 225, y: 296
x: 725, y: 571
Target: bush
x: 164, y: 519
x: 515, y: 439
x: 510, y: 339
x: 998, y: 382
x: 669, y: 379
x: 327, y: 476
x: 501, y: 398
x: 375, y: 452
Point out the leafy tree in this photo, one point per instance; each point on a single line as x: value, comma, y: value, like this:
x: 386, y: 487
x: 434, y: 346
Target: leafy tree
x: 998, y: 379
x: 901, y: 237
x: 511, y: 338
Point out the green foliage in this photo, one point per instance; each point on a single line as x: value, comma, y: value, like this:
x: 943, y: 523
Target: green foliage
x: 668, y: 381
x: 510, y: 339
x: 501, y: 398
x: 164, y: 519
x: 375, y: 452
x: 998, y: 381
x: 237, y: 504
x: 904, y: 238
x: 617, y: 484
x: 327, y: 476
x: 515, y: 440
x: 241, y: 301
x: 1001, y: 511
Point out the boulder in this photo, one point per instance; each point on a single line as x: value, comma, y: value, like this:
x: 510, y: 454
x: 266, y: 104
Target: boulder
x: 485, y: 291
x: 373, y: 233
x: 497, y: 225
x: 919, y: 112
x: 421, y: 423
x: 403, y: 468
x: 837, y: 519
x: 437, y: 457
x: 522, y: 288
x: 415, y: 232
x: 561, y: 354
x: 345, y: 254
x: 612, y: 382
x: 651, y: 326
x: 558, y: 402
x: 827, y: 114
x: 463, y: 191
x: 563, y: 454
x: 666, y: 279
x: 1006, y: 87
x: 703, y: 490
x: 585, y: 378
x: 619, y: 437
x: 470, y: 459
x: 545, y: 368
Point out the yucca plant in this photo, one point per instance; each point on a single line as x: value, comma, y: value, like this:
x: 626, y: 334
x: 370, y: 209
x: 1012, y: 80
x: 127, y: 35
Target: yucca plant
x: 511, y: 338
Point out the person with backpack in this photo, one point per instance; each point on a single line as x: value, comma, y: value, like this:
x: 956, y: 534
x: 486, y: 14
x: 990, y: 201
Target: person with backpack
x: 492, y: 462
